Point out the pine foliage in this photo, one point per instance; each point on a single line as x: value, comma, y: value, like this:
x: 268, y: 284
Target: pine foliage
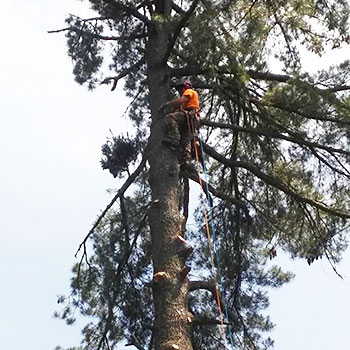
x: 276, y: 144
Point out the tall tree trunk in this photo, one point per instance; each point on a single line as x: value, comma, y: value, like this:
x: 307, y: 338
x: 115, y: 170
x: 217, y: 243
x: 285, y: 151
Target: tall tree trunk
x: 172, y: 319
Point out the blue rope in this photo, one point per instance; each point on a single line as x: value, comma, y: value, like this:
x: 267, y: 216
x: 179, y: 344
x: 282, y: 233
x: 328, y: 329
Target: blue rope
x: 213, y: 235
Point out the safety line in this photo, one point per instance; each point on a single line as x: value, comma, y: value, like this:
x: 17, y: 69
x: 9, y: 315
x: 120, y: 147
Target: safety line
x: 191, y: 128
x: 212, y: 240
x: 216, y: 253
x: 210, y: 228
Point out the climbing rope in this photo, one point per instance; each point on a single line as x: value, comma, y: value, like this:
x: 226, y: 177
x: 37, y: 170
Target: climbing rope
x: 211, y: 235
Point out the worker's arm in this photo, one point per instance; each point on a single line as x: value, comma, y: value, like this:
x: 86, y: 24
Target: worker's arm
x: 176, y: 103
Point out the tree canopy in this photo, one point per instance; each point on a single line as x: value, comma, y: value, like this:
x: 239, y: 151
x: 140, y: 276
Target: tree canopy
x: 276, y: 146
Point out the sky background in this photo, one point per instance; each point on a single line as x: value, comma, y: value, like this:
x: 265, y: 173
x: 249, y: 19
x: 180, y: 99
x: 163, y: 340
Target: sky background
x: 52, y: 189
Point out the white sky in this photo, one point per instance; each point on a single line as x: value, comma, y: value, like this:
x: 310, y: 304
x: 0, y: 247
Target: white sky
x: 52, y: 188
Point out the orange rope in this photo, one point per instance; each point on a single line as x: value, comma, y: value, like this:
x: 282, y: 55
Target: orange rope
x: 191, y: 129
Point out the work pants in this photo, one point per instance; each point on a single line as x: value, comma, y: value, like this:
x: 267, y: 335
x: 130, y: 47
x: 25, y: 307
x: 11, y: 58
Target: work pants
x: 181, y: 127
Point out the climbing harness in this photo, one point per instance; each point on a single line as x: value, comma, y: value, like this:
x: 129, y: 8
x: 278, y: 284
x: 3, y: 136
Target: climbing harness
x: 193, y: 120
x: 193, y: 125
x: 210, y: 230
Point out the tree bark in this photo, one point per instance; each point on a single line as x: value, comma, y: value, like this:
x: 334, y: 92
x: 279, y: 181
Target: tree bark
x: 172, y: 320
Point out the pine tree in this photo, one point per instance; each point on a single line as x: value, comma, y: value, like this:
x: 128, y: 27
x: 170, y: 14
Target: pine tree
x: 275, y: 144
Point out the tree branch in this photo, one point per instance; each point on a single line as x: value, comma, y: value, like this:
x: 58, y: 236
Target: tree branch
x: 225, y: 70
x: 203, y: 321
x: 134, y: 341
x: 314, y: 116
x: 272, y: 181
x: 246, y: 14
x: 83, y: 32
x: 121, y: 191
x: 179, y: 27
x: 273, y: 134
x: 192, y: 174
x: 324, y: 161
x: 177, y: 8
x: 208, y: 285
x: 130, y: 10
x: 124, y: 73
x: 266, y: 76
x: 338, y: 88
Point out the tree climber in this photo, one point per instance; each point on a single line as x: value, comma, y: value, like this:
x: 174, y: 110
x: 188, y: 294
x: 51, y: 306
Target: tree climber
x: 183, y: 120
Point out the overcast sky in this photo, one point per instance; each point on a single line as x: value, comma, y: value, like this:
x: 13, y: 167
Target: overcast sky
x: 52, y: 189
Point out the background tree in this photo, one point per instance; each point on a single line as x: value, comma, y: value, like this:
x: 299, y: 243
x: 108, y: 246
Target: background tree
x: 276, y: 150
